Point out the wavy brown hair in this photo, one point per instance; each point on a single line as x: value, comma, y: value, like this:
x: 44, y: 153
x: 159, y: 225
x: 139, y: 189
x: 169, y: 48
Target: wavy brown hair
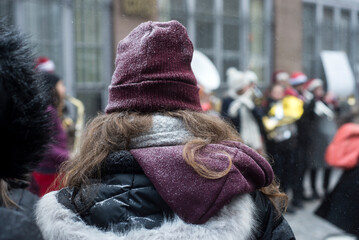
x: 5, y: 198
x: 113, y: 132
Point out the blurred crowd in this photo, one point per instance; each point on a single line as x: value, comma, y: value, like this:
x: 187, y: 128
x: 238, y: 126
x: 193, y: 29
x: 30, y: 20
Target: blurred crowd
x: 293, y: 123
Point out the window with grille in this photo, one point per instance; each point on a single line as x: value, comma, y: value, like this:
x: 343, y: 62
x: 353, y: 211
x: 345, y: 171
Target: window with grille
x: 76, y: 35
x: 232, y: 33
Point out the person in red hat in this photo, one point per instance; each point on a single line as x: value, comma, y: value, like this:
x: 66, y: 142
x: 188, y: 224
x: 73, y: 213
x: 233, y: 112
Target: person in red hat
x: 282, y: 78
x: 43, y: 178
x: 279, y: 120
x: 154, y: 165
x: 297, y: 81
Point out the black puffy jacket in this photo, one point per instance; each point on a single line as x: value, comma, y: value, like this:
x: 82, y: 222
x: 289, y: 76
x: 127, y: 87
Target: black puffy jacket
x: 272, y: 224
x: 124, y: 199
x: 19, y: 223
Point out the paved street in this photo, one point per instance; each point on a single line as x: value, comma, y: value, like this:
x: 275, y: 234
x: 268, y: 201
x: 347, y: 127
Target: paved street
x: 306, y: 225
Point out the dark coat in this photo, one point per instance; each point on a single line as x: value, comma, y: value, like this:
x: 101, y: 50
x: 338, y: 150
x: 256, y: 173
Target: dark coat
x: 321, y: 131
x: 25, y: 200
x: 19, y: 223
x: 341, y: 206
x: 272, y: 224
x: 224, y: 113
x: 124, y: 199
x: 303, y: 124
x: 15, y: 225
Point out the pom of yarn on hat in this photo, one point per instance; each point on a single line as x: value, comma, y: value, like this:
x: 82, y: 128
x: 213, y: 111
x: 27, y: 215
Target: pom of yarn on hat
x: 297, y: 78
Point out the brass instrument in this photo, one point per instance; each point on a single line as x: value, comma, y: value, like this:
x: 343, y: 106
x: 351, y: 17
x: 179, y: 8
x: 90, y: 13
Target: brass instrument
x: 78, y: 125
x: 280, y: 122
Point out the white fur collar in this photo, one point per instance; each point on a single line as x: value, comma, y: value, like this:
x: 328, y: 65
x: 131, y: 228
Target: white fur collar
x: 234, y: 221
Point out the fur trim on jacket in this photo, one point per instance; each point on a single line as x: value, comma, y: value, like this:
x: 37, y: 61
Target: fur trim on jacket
x: 234, y: 221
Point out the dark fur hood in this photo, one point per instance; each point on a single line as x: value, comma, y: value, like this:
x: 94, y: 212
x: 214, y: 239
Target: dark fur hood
x: 24, y: 119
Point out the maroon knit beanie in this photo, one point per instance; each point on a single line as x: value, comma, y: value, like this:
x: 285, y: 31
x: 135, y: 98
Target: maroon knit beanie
x: 153, y: 70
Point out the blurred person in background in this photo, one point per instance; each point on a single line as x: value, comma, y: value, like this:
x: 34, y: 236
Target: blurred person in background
x: 57, y: 152
x: 25, y: 126
x: 209, y: 102
x: 208, y: 80
x: 239, y: 108
x: 257, y: 96
x: 282, y: 78
x: 234, y: 83
x: 341, y: 205
x: 297, y: 81
x: 155, y: 165
x: 72, y: 121
x: 279, y: 121
x: 321, y: 130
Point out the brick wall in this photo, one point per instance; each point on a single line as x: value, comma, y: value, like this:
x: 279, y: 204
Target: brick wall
x: 288, y: 35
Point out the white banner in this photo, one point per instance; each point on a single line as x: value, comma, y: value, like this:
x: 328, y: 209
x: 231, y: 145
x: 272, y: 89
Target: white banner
x: 340, y: 77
